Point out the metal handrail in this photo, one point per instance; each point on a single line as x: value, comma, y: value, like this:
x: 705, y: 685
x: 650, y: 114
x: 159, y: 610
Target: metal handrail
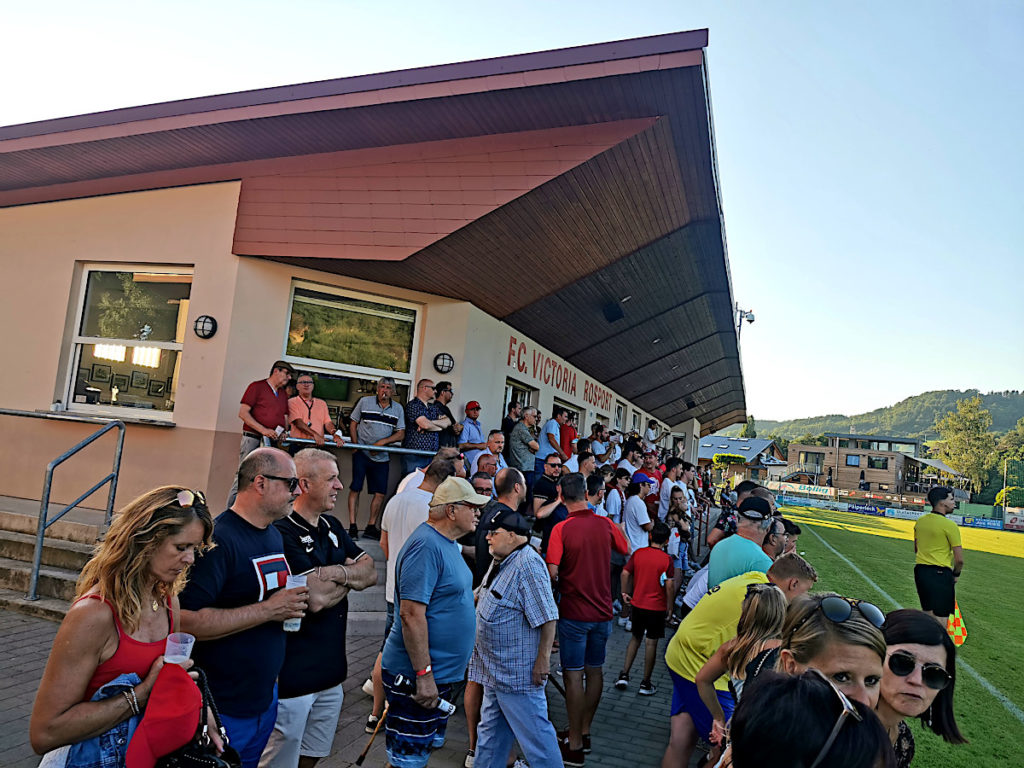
x: 44, y: 504
x: 349, y: 444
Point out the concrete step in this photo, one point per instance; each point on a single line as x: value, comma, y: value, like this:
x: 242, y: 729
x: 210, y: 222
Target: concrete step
x: 59, y: 553
x: 371, y: 599
x: 18, y: 522
x: 365, y: 623
x: 57, y: 583
x: 43, y: 608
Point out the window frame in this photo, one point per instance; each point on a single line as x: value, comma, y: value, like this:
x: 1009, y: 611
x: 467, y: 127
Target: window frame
x: 73, y: 354
x: 354, y: 371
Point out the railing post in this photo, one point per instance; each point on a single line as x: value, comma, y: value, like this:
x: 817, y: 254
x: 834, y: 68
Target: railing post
x: 115, y: 471
x: 37, y: 561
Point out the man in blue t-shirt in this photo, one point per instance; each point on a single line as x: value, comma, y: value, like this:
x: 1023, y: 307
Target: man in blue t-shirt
x: 743, y: 553
x: 235, y: 602
x: 432, y: 638
x: 550, y: 439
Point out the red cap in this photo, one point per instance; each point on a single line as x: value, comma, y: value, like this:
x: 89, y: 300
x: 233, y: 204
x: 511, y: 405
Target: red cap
x: 472, y: 404
x: 170, y: 721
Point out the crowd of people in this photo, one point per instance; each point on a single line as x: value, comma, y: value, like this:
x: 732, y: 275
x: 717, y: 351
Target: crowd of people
x: 504, y: 548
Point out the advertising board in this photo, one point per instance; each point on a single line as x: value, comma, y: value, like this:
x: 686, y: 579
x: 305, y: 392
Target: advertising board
x: 1014, y: 520
x: 983, y: 522
x: 865, y: 509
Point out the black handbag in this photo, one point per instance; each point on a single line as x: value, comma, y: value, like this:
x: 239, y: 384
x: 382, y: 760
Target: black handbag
x: 200, y: 752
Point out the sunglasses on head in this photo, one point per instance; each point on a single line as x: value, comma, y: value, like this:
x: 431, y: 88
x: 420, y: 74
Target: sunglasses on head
x: 903, y: 663
x: 839, y: 609
x: 187, y: 498
x: 848, y: 711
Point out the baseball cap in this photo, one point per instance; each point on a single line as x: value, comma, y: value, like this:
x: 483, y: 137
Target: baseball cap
x: 510, y: 520
x: 170, y: 721
x: 472, y: 404
x: 457, y: 490
x: 755, y: 508
x: 641, y: 477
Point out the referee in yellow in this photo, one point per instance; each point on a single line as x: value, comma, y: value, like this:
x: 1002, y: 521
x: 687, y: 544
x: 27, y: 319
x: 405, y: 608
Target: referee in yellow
x: 939, y: 557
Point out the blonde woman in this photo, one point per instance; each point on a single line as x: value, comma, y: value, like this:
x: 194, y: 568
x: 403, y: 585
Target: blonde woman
x: 109, y: 648
x: 759, y: 629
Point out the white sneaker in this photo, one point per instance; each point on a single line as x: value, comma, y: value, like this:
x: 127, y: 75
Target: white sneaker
x: 628, y: 625
x: 622, y: 621
x: 520, y: 763
x: 368, y: 687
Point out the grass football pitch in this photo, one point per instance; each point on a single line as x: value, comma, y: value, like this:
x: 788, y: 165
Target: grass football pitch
x: 991, y: 598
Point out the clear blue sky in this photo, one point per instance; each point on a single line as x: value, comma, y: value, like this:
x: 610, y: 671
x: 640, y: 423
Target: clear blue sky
x: 870, y: 154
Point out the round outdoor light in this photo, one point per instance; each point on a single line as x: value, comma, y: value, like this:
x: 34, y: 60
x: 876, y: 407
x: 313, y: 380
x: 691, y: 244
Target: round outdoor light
x: 205, y: 326
x: 443, y: 362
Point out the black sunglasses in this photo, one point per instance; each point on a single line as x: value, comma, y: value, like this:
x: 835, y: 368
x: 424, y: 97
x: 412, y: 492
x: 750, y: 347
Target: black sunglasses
x: 848, y: 711
x: 293, y: 482
x: 551, y: 464
x: 839, y: 609
x: 903, y: 663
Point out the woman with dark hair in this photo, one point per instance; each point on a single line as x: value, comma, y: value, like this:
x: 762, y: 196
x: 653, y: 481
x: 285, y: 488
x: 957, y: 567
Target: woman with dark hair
x: 110, y: 647
x: 918, y: 680
x: 837, y: 635
x: 784, y: 721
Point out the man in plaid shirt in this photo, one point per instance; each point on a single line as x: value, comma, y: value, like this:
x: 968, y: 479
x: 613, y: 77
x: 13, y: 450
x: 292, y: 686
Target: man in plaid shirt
x: 515, y: 628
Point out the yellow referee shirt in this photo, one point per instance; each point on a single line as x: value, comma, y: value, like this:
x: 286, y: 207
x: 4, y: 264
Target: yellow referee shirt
x: 708, y: 625
x: 936, y: 535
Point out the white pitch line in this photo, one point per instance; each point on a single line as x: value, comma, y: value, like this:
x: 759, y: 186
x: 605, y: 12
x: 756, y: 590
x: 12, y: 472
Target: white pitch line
x: 1012, y: 708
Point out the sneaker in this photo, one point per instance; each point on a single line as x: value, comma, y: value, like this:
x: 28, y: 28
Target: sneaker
x: 622, y: 621
x: 372, y: 532
x: 353, y: 531
x: 623, y: 682
x: 571, y: 758
x: 520, y: 763
x: 564, y: 736
x: 371, y: 724
x: 586, y: 744
x: 470, y: 758
x: 368, y: 687
x: 628, y: 626
x: 647, y: 688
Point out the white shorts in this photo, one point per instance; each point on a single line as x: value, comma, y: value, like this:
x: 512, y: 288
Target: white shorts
x: 305, y: 727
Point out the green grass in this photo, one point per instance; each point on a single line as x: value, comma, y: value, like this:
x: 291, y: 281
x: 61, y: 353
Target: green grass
x: 991, y: 596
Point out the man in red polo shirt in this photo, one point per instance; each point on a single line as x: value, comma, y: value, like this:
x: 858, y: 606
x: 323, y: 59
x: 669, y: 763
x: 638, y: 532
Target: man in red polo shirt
x: 578, y: 555
x: 264, y: 413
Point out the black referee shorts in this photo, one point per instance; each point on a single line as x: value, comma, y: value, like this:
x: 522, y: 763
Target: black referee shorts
x: 935, y: 588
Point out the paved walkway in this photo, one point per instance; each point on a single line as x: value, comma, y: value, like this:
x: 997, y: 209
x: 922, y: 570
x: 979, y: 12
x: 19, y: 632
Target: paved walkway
x: 629, y: 730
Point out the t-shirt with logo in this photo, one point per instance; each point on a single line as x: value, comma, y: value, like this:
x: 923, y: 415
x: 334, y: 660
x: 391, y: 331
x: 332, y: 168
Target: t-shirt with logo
x: 268, y: 406
x: 315, y: 655
x: 651, y: 569
x: 936, y: 535
x: 711, y: 622
x: 246, y: 567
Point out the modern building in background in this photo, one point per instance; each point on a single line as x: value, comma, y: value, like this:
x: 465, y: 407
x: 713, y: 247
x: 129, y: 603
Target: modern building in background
x: 761, y: 458
x: 546, y: 227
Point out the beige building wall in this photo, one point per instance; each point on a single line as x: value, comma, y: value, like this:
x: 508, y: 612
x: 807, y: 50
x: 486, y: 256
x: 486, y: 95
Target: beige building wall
x: 45, y: 247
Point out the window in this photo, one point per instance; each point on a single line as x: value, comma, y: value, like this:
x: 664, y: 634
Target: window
x: 339, y: 330
x: 878, y: 462
x: 808, y: 457
x: 636, y: 422
x: 852, y: 460
x: 522, y: 394
x: 130, y: 329
x: 620, y: 415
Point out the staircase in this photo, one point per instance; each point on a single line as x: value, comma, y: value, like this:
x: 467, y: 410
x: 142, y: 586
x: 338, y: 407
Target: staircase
x: 66, y: 548
x: 802, y: 469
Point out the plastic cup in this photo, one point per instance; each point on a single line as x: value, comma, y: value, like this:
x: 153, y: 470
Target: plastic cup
x: 178, y: 648
x: 292, y: 625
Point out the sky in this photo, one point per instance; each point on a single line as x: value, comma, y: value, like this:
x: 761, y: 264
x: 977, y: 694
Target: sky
x: 870, y: 154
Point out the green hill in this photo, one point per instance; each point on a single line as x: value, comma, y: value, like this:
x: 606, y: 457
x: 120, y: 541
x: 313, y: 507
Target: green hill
x: 913, y: 417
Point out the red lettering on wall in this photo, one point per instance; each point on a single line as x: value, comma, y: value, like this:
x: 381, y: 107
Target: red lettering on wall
x: 521, y: 358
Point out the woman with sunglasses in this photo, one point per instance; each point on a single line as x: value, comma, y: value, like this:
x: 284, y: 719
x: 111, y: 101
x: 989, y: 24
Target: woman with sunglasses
x: 786, y: 721
x: 836, y: 635
x: 109, y: 648
x: 918, y: 680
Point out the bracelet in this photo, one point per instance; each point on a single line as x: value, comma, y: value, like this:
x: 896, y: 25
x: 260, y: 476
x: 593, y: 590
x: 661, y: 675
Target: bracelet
x: 345, y: 570
x: 133, y: 702
x: 425, y: 671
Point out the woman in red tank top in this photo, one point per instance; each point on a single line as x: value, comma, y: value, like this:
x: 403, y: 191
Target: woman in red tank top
x: 125, y: 607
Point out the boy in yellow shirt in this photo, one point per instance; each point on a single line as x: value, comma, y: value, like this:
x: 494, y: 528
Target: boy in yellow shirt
x: 939, y: 558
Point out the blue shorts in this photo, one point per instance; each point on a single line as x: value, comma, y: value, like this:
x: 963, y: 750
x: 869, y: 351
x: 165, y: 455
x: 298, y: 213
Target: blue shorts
x: 685, y: 698
x: 374, y: 472
x: 411, y: 732
x: 389, y: 621
x: 582, y: 643
x: 249, y: 735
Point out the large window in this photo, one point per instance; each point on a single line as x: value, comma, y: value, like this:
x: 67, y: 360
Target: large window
x: 129, y: 334
x: 811, y: 457
x: 878, y: 462
x: 620, y: 416
x: 852, y: 460
x: 338, y: 330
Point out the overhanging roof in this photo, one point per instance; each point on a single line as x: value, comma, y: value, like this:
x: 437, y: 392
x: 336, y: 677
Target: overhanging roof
x: 936, y: 464
x: 618, y: 264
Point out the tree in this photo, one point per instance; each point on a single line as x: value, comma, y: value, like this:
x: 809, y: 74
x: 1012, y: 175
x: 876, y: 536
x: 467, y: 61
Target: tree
x: 780, y: 441
x: 749, y: 429
x: 1013, y: 497
x: 723, y: 460
x: 968, y: 445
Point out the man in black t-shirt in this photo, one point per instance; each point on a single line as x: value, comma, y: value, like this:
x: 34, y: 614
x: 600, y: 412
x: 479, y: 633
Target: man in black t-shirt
x: 235, y: 601
x: 310, y: 683
x: 443, y: 394
x: 547, y: 507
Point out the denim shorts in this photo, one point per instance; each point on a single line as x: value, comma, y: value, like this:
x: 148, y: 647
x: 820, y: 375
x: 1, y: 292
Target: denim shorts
x: 582, y: 643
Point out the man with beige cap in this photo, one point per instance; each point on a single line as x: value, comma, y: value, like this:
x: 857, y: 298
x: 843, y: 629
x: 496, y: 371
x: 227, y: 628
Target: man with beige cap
x: 432, y: 638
